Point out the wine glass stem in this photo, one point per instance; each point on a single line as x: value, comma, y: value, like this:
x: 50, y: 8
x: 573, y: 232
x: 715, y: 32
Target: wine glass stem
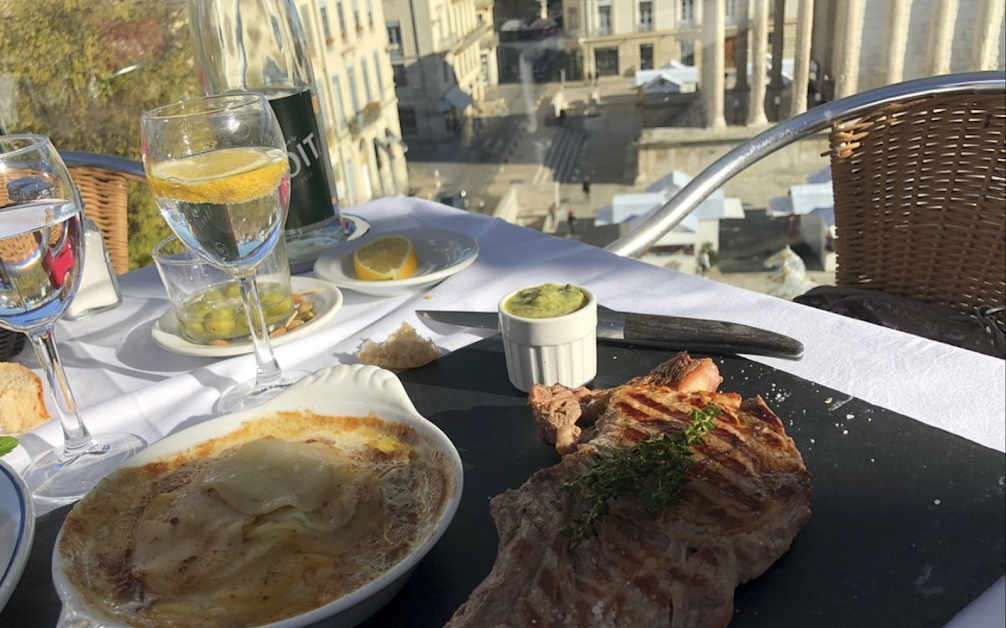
x: 75, y: 435
x: 267, y: 368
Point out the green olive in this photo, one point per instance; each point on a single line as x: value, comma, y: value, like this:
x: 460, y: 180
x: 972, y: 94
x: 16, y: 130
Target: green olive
x: 233, y: 290
x: 220, y: 322
x: 270, y: 297
x: 194, y: 329
x: 222, y: 314
x: 213, y: 295
x: 279, y: 308
x: 241, y: 325
x: 220, y: 328
x: 197, y: 311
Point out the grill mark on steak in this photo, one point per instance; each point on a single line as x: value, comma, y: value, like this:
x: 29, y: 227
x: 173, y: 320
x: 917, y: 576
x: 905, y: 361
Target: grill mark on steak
x: 746, y: 500
x: 652, y: 404
x: 631, y: 411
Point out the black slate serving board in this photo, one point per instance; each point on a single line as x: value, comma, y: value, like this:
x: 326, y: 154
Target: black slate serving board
x: 908, y: 521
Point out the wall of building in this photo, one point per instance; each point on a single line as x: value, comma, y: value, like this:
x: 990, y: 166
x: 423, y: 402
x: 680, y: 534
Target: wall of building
x: 441, y: 48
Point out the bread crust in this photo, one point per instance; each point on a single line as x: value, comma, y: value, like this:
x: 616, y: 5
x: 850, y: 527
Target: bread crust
x: 404, y: 349
x: 22, y: 404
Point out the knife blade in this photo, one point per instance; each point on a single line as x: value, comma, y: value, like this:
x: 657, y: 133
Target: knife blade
x: 672, y: 332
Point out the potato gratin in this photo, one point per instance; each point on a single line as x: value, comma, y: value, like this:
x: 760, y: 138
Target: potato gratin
x: 278, y: 518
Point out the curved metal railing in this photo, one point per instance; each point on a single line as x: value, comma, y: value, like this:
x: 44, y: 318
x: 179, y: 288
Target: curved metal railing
x: 126, y: 167
x: 640, y: 240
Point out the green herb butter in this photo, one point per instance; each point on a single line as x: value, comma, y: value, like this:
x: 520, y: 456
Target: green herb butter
x: 546, y: 301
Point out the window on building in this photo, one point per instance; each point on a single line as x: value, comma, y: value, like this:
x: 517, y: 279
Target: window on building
x: 572, y: 19
x: 400, y: 76
x: 448, y: 74
x: 687, y: 52
x: 407, y: 118
x: 365, y: 77
x: 340, y: 110
x: 441, y: 24
x: 321, y: 102
x: 731, y: 11
x: 645, y: 16
x: 484, y: 69
x: 645, y: 56
x: 378, y: 75
x: 395, y: 38
x: 341, y: 16
x: 687, y: 12
x: 354, y: 99
x: 356, y: 15
x: 305, y: 19
x: 370, y: 12
x: 604, y: 19
x: 326, y: 25
x: 350, y: 175
x: 606, y: 61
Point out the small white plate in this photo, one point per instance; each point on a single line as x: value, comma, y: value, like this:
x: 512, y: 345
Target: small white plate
x: 17, y: 530
x: 441, y: 253
x: 327, y: 301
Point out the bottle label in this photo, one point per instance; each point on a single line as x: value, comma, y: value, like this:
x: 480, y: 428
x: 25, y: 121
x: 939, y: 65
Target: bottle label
x: 312, y: 197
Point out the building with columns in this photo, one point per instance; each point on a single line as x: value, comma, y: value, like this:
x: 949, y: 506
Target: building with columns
x: 348, y: 46
x: 620, y: 37
x: 443, y: 55
x: 861, y: 44
x: 837, y: 48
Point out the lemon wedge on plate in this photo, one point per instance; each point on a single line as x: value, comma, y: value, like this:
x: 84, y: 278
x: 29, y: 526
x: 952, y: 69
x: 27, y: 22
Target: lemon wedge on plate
x: 390, y: 257
x: 228, y: 175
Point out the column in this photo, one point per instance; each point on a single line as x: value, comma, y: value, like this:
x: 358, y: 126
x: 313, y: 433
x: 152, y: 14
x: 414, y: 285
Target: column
x: 778, y: 39
x: 941, y: 37
x: 589, y: 17
x: 801, y: 60
x: 898, y: 14
x: 986, y: 51
x: 850, y: 31
x: 759, y: 59
x: 713, y: 62
x: 741, y: 45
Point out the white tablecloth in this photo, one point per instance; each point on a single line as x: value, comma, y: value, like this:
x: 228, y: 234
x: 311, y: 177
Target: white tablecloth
x: 123, y: 381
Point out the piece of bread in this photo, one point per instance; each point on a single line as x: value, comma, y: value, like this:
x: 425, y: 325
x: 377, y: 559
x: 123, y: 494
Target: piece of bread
x: 404, y: 349
x: 22, y: 406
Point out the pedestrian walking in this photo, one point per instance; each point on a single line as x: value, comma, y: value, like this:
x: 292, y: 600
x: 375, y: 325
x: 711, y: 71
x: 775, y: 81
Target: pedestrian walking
x: 586, y: 186
x: 571, y: 221
x: 552, y: 209
x: 704, y: 262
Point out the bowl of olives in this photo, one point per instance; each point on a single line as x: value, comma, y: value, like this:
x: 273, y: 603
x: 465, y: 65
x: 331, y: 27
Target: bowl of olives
x: 206, y: 300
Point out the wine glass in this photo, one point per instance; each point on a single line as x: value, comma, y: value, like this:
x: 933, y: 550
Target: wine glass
x: 40, y: 267
x: 218, y: 169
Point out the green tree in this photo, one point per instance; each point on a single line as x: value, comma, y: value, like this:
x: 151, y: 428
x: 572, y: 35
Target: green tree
x: 82, y: 72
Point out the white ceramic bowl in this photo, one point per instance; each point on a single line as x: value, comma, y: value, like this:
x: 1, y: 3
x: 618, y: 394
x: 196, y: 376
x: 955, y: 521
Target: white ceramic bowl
x: 558, y: 350
x: 355, y: 390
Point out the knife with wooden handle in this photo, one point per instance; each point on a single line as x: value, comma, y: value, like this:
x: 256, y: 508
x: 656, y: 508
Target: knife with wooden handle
x: 672, y: 332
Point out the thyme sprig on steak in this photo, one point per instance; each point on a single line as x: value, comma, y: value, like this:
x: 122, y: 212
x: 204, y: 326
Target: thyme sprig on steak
x: 654, y: 470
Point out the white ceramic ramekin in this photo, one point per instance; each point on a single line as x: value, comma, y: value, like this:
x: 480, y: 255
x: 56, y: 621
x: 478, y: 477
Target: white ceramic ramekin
x: 558, y: 350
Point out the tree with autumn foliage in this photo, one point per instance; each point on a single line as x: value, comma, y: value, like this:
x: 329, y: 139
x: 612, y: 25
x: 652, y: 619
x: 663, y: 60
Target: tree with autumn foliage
x: 82, y: 72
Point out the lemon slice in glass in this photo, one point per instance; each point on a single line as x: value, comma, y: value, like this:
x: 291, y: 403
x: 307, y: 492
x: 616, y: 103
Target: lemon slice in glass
x: 390, y: 257
x: 228, y: 175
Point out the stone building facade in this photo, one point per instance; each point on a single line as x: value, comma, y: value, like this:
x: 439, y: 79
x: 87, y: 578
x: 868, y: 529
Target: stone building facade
x: 443, y: 55
x: 353, y: 75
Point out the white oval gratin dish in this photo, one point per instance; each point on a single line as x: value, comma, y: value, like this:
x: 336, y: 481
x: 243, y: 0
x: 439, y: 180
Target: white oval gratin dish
x: 346, y: 390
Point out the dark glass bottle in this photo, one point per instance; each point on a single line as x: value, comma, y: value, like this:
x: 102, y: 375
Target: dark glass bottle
x: 259, y: 46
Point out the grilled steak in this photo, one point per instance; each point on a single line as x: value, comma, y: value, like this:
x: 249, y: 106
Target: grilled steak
x: 746, y: 499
